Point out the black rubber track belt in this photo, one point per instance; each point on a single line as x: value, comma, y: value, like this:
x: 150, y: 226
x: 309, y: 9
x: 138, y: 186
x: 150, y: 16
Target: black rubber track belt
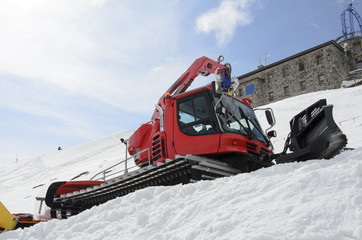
x: 171, y: 173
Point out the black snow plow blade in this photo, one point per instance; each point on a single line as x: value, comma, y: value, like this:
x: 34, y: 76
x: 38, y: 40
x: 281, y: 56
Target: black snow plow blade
x: 314, y: 135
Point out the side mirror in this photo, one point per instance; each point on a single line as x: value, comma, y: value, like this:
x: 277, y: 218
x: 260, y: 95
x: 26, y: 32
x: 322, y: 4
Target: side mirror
x: 272, y: 133
x: 270, y: 117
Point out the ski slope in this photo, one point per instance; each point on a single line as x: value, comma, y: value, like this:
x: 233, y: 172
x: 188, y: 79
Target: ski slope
x: 318, y: 199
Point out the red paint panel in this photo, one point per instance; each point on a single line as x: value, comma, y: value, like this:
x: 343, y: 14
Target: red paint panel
x: 72, y: 186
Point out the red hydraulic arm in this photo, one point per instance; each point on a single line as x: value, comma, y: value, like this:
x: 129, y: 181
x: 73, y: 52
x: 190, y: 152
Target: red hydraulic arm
x: 203, y: 66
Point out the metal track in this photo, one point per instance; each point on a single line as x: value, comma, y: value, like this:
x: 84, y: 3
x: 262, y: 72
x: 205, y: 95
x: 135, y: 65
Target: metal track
x: 182, y: 169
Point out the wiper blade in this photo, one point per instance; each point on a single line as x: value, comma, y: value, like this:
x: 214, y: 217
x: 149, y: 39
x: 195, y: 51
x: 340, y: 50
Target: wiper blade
x: 242, y: 114
x: 254, y: 125
x: 247, y: 130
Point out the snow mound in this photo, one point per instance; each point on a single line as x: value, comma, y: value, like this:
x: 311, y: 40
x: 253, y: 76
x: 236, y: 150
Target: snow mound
x: 312, y: 200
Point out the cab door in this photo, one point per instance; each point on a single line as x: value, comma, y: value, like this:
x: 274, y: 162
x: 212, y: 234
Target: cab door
x: 196, y: 130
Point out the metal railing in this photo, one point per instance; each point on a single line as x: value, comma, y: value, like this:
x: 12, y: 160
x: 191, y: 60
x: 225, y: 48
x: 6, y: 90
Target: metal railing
x: 347, y: 36
x: 105, y: 173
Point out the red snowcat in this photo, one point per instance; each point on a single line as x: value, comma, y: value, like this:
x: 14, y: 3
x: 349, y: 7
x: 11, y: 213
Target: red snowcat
x: 201, y: 134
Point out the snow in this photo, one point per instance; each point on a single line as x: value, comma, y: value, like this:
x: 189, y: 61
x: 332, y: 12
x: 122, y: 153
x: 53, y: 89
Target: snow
x: 318, y: 199
x: 348, y: 83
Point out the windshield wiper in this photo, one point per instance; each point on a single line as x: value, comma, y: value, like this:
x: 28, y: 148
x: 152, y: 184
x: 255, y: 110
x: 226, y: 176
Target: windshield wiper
x: 248, y: 119
x: 246, y: 130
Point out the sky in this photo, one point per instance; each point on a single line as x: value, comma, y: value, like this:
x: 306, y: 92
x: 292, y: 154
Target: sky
x: 73, y: 71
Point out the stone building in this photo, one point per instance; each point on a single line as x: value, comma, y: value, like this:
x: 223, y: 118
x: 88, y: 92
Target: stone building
x: 319, y: 68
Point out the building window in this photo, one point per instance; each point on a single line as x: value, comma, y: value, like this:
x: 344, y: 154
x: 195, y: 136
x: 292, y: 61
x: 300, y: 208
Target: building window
x: 301, y: 67
x: 321, y: 79
x: 241, y: 92
x: 357, y: 47
x: 319, y: 60
x: 270, y: 79
x: 286, y: 91
x: 271, y: 96
x: 285, y: 73
x: 249, y: 89
x: 359, y: 65
x: 303, y: 86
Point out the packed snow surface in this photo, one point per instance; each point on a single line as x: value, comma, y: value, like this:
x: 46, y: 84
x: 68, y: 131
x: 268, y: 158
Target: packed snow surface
x: 318, y: 199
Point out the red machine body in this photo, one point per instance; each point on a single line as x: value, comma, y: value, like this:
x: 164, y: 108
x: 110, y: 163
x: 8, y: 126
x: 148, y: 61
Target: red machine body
x: 72, y: 186
x: 167, y: 134
x: 214, y: 135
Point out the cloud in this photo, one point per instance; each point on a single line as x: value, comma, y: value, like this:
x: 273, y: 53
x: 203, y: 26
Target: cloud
x: 341, y: 1
x: 101, y: 49
x: 314, y: 25
x: 43, y: 108
x: 225, y: 19
x: 82, y: 69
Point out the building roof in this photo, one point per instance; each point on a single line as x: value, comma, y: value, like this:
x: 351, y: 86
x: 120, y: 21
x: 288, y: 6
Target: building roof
x: 332, y: 42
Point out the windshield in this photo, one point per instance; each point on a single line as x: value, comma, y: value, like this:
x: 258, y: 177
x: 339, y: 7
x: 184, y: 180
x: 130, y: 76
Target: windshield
x: 236, y: 117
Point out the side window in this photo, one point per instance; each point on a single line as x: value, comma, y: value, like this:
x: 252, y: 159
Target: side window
x: 194, y: 116
x: 201, y: 109
x: 319, y: 60
x: 357, y: 47
x: 285, y: 72
x: 186, y: 112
